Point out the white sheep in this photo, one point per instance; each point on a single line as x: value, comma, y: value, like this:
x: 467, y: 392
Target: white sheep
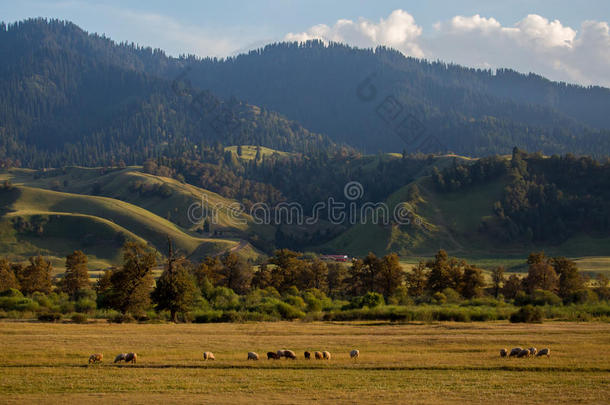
x: 326, y: 355
x: 252, y: 356
x: 354, y: 354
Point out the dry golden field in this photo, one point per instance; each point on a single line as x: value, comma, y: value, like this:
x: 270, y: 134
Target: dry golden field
x: 399, y: 363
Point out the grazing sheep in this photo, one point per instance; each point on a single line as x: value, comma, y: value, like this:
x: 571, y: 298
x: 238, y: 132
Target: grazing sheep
x: 208, y: 356
x: 533, y: 351
x: 120, y: 357
x: 307, y: 355
x: 289, y: 354
x: 354, y: 354
x: 524, y: 353
x: 515, y: 352
x: 131, y: 358
x: 326, y: 355
x: 503, y: 352
x: 544, y: 352
x: 318, y: 355
x: 96, y: 358
x: 252, y: 356
x: 272, y: 355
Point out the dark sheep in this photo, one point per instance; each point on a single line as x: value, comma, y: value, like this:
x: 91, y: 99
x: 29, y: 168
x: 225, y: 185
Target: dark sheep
x: 272, y: 355
x: 307, y: 355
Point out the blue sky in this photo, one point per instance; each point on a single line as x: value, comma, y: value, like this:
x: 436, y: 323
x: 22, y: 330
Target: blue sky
x: 564, y: 40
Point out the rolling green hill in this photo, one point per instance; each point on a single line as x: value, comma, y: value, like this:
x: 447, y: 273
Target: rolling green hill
x: 37, y: 220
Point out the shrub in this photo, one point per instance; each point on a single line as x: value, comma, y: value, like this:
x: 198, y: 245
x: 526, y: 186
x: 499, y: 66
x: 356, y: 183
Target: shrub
x: 371, y: 300
x: 11, y: 292
x: 452, y: 296
x: 122, y: 318
x: 289, y: 312
x: 527, y: 314
x: 439, y: 298
x: 85, y: 305
x: 79, y: 318
x: 49, y: 317
x: 207, y: 316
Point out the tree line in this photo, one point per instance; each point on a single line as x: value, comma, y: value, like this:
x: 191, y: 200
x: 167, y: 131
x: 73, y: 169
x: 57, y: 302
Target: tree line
x: 219, y: 282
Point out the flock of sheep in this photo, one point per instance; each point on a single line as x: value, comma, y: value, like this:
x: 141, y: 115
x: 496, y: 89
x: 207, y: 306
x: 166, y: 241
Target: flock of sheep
x: 289, y: 354
x: 521, y: 352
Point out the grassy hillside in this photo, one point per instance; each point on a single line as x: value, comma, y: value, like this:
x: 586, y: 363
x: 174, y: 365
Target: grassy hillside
x: 248, y: 152
x: 54, y: 223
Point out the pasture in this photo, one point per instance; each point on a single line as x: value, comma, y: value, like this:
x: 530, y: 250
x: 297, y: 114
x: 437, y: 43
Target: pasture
x: 399, y: 363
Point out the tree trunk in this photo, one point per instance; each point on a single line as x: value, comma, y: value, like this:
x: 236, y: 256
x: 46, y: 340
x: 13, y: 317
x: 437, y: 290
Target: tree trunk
x: 174, y: 316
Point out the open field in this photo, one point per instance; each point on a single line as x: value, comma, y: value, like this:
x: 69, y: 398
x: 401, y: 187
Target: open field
x: 399, y: 363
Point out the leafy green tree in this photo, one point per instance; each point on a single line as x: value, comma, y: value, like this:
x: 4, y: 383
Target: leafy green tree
x: 444, y: 272
x: 8, y: 279
x: 337, y: 276
x: 77, y: 274
x: 541, y: 275
x: 36, y: 276
x: 103, y: 289
x: 236, y: 273
x: 175, y: 290
x: 209, y: 270
x: 570, y: 280
x: 390, y: 275
x: 472, y: 282
x: 416, y: 280
x: 317, y: 275
x: 497, y: 280
x: 133, y: 282
x: 512, y: 286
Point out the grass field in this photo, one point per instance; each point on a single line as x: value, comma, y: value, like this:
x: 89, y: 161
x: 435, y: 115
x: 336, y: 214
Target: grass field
x: 399, y: 363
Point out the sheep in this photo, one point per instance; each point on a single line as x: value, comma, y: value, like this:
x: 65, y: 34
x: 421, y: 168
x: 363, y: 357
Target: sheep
x: 533, y: 351
x: 208, y: 356
x: 289, y: 354
x: 544, y: 352
x: 354, y: 354
x: 252, y: 356
x: 131, y: 358
x: 307, y: 355
x: 120, y: 357
x: 524, y: 353
x: 318, y: 355
x: 96, y: 358
x: 515, y: 352
x: 503, y: 352
x: 326, y: 355
x: 272, y: 355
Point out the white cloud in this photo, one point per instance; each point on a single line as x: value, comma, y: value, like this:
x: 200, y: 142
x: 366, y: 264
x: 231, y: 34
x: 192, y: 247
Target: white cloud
x: 399, y: 31
x: 533, y: 44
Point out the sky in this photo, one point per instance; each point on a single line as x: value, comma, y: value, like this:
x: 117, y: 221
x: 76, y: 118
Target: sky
x: 562, y: 40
